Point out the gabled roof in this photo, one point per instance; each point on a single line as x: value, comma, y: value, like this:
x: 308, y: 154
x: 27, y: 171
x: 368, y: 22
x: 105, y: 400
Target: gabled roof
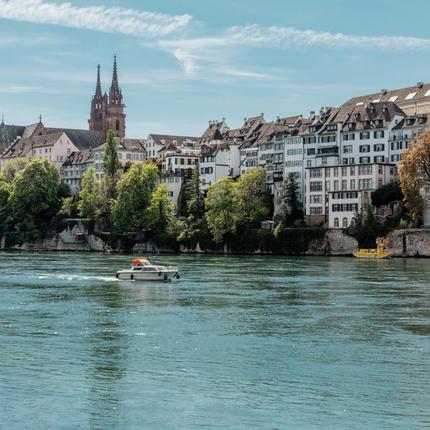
x: 79, y: 157
x: 9, y: 134
x: 23, y: 146
x: 126, y: 144
x: 163, y: 139
x: 402, y: 96
x: 82, y: 139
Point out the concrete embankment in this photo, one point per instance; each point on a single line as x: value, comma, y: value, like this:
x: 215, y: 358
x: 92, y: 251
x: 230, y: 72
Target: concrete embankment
x: 334, y: 242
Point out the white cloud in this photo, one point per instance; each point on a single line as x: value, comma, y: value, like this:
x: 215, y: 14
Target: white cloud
x: 290, y: 36
x: 100, y: 18
x: 194, y: 54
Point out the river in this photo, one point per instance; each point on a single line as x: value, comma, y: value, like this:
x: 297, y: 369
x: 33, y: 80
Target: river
x: 238, y: 342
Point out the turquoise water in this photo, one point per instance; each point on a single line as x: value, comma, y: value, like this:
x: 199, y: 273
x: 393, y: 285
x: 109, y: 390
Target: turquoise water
x: 237, y: 343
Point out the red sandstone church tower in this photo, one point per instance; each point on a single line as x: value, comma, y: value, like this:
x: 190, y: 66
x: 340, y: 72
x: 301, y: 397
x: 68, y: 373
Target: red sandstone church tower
x: 107, y: 112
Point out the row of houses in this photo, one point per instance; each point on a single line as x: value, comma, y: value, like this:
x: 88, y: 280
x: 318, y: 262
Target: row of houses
x: 338, y: 155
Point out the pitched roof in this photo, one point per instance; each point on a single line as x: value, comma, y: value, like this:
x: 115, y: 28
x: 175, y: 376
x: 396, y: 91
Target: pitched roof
x: 401, y: 96
x: 23, y: 146
x: 126, y: 144
x: 79, y: 157
x: 82, y: 139
x: 9, y: 134
x: 163, y: 139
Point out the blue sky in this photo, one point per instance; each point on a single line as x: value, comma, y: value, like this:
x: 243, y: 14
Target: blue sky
x: 182, y: 63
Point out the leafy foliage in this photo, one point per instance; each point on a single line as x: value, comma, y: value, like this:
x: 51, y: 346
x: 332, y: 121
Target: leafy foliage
x: 34, y: 200
x: 110, y: 156
x: 89, y: 205
x: 291, y: 206
x: 194, y: 198
x: 161, y: 212
x: 387, y: 194
x: 13, y: 167
x: 253, y: 197
x: 414, y: 171
x: 135, y: 190
x: 222, y: 208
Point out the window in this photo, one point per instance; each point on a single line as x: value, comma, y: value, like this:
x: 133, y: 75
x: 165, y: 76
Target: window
x: 344, y: 184
x: 393, y: 98
x: 364, y: 148
x: 347, y: 149
x: 316, y: 211
x: 336, y: 171
x: 379, y: 147
x: 332, y: 127
x: 365, y: 170
x: 336, y: 186
x: 317, y: 198
x: 336, y: 223
x: 327, y: 172
x: 379, y: 159
x: 410, y: 96
x: 315, y: 173
x: 352, y: 170
x: 365, y: 184
x: 364, y: 160
x: 345, y: 223
x: 378, y: 134
x: 310, y: 151
x: 316, y: 186
x: 328, y: 139
x: 344, y: 171
x: 352, y: 184
x: 364, y: 135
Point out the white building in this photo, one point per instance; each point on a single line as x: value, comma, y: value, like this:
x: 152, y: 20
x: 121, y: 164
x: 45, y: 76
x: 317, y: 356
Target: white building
x: 76, y: 164
x: 217, y: 160
x: 38, y: 143
x: 156, y: 143
x: 337, y: 193
x: 130, y: 151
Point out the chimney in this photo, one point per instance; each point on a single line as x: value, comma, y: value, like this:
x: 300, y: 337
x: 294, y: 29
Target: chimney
x: 384, y: 91
x: 420, y: 84
x: 312, y: 114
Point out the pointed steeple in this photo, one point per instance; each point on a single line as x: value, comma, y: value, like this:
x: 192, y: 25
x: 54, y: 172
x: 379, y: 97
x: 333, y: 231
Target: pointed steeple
x: 98, y: 86
x: 115, y: 87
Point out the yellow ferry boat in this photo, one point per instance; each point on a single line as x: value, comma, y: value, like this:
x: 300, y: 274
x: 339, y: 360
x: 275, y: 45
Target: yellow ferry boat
x: 378, y: 253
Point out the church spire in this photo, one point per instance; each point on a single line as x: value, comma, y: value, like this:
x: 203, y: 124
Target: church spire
x: 98, y: 86
x: 115, y: 87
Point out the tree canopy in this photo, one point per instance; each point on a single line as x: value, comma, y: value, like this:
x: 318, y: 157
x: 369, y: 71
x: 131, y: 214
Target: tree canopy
x: 89, y: 205
x: 222, y: 208
x: 135, y: 189
x: 110, y: 156
x: 414, y: 171
x: 291, y: 206
x: 161, y: 211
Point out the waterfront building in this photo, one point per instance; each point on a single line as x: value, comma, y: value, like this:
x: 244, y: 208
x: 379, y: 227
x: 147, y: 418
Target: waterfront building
x: 337, y: 193
x: 37, y: 142
x: 130, y: 151
x: 107, y: 111
x: 156, y: 143
x: 76, y: 164
x: 218, y: 159
x: 180, y: 159
x: 174, y: 183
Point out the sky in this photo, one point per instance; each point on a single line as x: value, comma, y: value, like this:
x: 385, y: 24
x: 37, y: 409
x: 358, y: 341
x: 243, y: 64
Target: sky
x: 182, y: 63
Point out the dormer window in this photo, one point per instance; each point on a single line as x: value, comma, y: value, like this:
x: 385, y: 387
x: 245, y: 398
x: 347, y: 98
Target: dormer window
x: 422, y: 120
x: 410, y: 121
x: 312, y: 129
x: 351, y: 125
x: 410, y: 96
x: 332, y: 127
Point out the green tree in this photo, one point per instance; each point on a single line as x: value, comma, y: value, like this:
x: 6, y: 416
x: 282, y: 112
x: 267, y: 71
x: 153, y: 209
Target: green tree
x: 291, y: 206
x: 110, y: 156
x: 135, y: 189
x: 161, y: 212
x: 34, y: 200
x: 89, y: 205
x: 253, y: 196
x: 194, y: 197
x: 4, y: 204
x: 13, y: 167
x: 222, y: 208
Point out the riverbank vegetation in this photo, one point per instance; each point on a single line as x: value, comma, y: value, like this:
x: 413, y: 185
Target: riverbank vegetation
x: 130, y: 202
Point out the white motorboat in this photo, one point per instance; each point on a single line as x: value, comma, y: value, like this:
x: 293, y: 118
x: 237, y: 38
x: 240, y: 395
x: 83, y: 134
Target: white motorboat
x: 141, y: 269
